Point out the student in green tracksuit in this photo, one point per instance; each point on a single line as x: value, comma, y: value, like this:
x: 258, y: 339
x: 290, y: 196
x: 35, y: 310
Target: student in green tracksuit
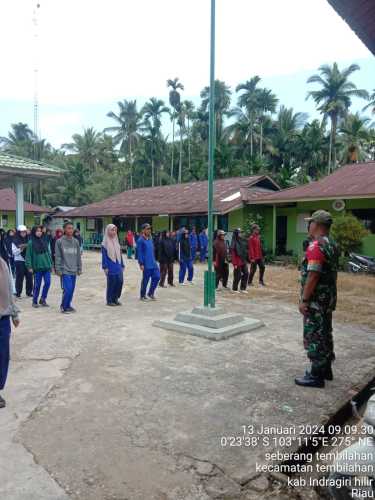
x: 39, y: 262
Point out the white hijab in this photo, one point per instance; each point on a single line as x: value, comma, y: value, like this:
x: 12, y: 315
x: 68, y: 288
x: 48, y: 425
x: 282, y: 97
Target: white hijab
x: 112, y: 245
x: 7, y: 305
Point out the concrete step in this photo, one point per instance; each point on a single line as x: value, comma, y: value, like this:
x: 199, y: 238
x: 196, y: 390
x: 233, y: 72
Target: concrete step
x: 246, y: 325
x: 218, y: 321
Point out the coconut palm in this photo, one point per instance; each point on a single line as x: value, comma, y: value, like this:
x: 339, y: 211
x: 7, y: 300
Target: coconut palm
x: 126, y: 133
x: 20, y: 140
x: 334, y: 98
x: 175, y: 102
x: 152, y: 112
x: 86, y: 147
x: 249, y: 100
x: 189, y: 114
x: 222, y: 103
x: 354, y: 136
x: 266, y: 103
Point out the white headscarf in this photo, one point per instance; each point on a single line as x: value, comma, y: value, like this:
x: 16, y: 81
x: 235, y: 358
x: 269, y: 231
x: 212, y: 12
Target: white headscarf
x: 7, y: 305
x: 112, y: 245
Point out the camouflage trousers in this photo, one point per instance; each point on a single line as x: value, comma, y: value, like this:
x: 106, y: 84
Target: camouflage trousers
x: 318, y: 338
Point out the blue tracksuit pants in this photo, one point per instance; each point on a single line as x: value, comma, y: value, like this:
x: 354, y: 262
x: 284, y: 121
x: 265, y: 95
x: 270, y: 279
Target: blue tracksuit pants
x: 154, y: 276
x: 4, y: 349
x: 40, y: 276
x: 203, y: 254
x: 68, y: 284
x: 114, y: 287
x: 186, y: 265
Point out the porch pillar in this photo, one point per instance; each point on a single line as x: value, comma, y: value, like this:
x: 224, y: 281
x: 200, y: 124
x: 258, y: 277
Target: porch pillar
x: 20, y: 212
x: 136, y: 224
x: 171, y: 223
x: 215, y: 222
x: 274, y: 219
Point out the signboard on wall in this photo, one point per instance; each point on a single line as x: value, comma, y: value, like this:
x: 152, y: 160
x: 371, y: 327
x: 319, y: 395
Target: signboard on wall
x: 301, y: 223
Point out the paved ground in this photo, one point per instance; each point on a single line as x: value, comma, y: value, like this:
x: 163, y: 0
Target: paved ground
x: 103, y: 406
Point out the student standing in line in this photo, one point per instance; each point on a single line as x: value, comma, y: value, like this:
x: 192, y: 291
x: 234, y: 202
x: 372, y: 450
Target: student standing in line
x: 255, y: 255
x: 166, y: 258
x: 113, y: 265
x: 4, y: 254
x: 78, y: 237
x: 39, y: 262
x: 220, y: 255
x: 130, y: 244
x: 68, y: 265
x: 239, y: 257
x: 8, y: 311
x: 8, y: 244
x: 19, y: 246
x: 203, y: 244
x: 147, y: 263
x: 58, y: 234
x: 193, y: 243
x: 185, y: 258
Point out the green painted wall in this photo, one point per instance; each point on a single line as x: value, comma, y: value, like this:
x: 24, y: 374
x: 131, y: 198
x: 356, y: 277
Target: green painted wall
x: 236, y: 219
x: 160, y: 224
x: 30, y: 219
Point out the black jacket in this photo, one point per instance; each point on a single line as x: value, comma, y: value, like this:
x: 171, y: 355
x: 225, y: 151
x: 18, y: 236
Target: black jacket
x: 184, y: 249
x: 166, y: 251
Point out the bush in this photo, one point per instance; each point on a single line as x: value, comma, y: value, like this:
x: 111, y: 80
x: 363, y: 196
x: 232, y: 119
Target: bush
x: 254, y: 218
x: 348, y: 232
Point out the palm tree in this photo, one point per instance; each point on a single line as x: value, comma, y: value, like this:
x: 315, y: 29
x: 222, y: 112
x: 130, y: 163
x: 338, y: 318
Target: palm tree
x: 152, y: 112
x: 175, y: 102
x: 189, y: 113
x: 20, y: 140
x: 266, y: 103
x: 86, y: 147
x: 354, y: 137
x: 371, y: 104
x: 249, y: 99
x: 222, y: 103
x: 126, y: 133
x: 334, y: 98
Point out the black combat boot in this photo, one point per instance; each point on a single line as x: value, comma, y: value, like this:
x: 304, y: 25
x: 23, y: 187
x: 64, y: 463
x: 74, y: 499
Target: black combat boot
x: 328, y: 374
x: 311, y: 379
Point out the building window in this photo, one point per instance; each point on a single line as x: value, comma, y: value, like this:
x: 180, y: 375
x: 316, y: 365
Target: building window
x: 90, y: 225
x: 367, y: 217
x: 4, y: 220
x: 95, y: 225
x: 301, y: 223
x: 37, y: 220
x: 124, y: 223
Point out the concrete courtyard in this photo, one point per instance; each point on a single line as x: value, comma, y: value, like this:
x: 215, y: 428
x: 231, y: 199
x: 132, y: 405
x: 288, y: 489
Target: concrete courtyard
x: 101, y: 405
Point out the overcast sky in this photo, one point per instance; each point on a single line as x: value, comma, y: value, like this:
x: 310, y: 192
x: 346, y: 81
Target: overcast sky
x: 93, y: 53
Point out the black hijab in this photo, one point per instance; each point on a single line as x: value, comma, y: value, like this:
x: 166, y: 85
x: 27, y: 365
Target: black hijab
x: 40, y: 245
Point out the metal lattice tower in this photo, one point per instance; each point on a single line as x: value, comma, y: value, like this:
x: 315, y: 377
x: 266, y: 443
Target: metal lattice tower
x: 36, y: 7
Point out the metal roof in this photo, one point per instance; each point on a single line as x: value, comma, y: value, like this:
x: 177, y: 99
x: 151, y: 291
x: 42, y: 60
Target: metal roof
x: 179, y: 199
x: 351, y: 181
x: 12, y: 166
x: 360, y: 15
x: 8, y: 203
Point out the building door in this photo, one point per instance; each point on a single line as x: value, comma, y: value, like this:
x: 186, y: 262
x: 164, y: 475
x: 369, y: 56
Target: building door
x: 281, y: 234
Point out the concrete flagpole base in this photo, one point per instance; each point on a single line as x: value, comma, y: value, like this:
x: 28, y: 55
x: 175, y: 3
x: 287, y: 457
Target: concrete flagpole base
x: 210, y: 323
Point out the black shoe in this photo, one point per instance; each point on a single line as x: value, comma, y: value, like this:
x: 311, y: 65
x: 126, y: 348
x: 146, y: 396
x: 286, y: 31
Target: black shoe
x: 2, y: 402
x: 71, y: 310
x: 152, y: 297
x: 111, y: 304
x: 43, y: 303
x: 118, y: 303
x: 29, y: 294
x: 162, y: 286
x: 144, y: 299
x: 328, y: 374
x: 262, y: 283
x: 309, y: 380
x: 35, y: 305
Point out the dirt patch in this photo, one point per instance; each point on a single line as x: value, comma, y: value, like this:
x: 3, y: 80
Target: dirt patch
x: 356, y: 294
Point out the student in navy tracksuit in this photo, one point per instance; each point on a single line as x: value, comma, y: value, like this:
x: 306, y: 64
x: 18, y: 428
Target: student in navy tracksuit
x: 147, y: 263
x: 185, y: 258
x: 113, y: 265
x: 193, y: 243
x: 203, y: 243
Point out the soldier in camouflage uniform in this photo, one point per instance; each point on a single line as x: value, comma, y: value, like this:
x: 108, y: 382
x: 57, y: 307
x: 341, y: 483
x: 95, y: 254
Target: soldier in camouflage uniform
x: 318, y: 299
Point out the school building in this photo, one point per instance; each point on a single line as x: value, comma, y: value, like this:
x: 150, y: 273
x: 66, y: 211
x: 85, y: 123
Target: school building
x: 349, y: 189
x: 8, y: 206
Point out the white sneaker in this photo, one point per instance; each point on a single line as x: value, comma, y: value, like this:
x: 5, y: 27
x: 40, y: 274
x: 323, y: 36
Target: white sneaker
x: 190, y: 283
x: 244, y: 291
x: 182, y: 284
x: 235, y: 291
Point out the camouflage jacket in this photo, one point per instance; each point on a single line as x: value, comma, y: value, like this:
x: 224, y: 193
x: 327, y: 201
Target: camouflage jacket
x: 322, y: 256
